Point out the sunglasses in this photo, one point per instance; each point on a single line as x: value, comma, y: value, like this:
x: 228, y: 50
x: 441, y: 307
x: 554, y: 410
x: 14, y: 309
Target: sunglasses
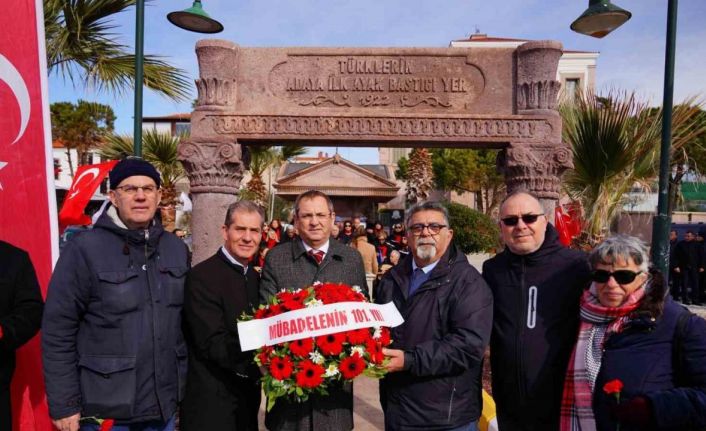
x: 622, y: 276
x: 526, y: 219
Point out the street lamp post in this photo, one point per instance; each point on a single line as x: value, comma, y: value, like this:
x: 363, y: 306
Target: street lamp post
x: 600, y: 19
x: 193, y: 19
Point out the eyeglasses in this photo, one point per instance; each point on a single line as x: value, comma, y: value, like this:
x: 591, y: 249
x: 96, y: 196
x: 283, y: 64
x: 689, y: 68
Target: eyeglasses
x: 434, y: 228
x: 622, y: 276
x: 310, y: 216
x: 526, y: 219
x: 131, y: 190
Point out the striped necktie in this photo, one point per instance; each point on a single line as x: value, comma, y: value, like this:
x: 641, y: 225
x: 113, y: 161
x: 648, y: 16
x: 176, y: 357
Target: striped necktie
x: 318, y: 255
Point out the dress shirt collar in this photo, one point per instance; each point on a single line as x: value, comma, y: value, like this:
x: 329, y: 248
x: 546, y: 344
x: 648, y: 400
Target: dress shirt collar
x: 233, y: 260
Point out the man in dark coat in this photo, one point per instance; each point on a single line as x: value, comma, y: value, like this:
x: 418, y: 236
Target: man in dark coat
x: 434, y: 380
x: 689, y: 264
x: 222, y: 387
x: 112, y: 345
x: 299, y: 264
x: 536, y: 284
x: 20, y: 316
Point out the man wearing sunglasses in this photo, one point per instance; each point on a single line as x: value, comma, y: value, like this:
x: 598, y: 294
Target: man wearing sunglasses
x: 434, y: 379
x: 536, y: 284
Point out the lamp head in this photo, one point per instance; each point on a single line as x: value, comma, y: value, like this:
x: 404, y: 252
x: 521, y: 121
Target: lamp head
x: 600, y: 18
x: 195, y: 19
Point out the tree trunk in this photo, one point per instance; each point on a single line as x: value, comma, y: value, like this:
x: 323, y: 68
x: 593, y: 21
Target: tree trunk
x: 71, y: 164
x: 673, y: 189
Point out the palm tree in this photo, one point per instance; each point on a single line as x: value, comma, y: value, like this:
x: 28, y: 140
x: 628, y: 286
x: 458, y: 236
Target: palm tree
x: 263, y: 158
x: 420, y: 176
x: 615, y: 144
x: 160, y: 149
x: 80, y: 46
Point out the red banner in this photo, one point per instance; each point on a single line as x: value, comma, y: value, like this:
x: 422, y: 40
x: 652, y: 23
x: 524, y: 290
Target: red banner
x: 86, y: 181
x: 27, y: 197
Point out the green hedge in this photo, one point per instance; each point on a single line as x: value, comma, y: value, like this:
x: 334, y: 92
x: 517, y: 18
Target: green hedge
x: 474, y: 232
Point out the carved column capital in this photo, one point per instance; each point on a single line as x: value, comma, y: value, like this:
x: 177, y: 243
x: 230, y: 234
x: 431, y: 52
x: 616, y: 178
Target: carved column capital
x: 214, y: 167
x: 536, y: 168
x: 537, y: 87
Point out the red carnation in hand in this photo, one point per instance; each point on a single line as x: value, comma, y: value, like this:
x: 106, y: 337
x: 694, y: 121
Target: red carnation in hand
x: 614, y: 386
x: 107, y: 425
x: 374, y: 351
x: 281, y: 368
x: 331, y: 344
x: 351, y: 366
x: 358, y: 336
x: 302, y: 348
x: 309, y: 375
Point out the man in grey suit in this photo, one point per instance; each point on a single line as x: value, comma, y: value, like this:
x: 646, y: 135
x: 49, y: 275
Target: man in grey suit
x: 298, y: 264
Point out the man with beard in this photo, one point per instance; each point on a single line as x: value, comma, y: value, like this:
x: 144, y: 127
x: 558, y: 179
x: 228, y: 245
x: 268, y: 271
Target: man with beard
x: 298, y: 264
x: 436, y: 358
x: 536, y: 285
x: 222, y: 385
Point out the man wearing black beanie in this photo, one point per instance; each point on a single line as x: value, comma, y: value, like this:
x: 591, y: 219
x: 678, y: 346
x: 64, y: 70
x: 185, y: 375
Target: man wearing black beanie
x: 112, y: 344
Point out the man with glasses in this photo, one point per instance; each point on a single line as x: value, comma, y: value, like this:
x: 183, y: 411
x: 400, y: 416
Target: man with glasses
x: 536, y: 285
x: 298, y: 264
x: 112, y: 344
x: 435, y: 360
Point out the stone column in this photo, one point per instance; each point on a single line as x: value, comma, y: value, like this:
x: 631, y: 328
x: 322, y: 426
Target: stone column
x: 214, y: 164
x: 215, y: 171
x: 537, y: 166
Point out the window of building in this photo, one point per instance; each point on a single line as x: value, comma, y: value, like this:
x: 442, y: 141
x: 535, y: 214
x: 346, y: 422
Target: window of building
x: 572, y: 85
x: 182, y: 128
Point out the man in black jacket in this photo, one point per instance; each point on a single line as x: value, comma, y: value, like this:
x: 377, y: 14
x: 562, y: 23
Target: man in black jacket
x: 222, y: 389
x: 112, y: 345
x: 689, y: 264
x: 536, y: 285
x: 434, y: 380
x: 20, y: 316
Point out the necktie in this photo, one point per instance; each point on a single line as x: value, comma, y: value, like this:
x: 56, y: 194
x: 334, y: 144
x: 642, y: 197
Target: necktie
x: 418, y: 277
x: 318, y: 255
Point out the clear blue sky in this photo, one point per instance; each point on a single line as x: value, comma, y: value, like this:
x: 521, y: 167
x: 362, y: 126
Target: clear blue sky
x: 631, y: 57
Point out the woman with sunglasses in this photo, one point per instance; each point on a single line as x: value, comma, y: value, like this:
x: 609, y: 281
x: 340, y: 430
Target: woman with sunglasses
x: 631, y: 331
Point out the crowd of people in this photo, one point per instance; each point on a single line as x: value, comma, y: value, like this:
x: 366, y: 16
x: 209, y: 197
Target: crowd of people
x: 131, y: 332
x: 380, y: 249
x: 687, y: 261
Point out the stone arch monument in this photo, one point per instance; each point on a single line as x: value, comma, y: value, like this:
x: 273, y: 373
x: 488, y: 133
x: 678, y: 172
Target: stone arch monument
x: 401, y: 97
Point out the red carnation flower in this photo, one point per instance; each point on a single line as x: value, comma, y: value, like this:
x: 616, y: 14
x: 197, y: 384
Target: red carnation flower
x: 384, y: 336
x: 613, y: 387
x: 264, y: 355
x: 260, y: 313
x: 331, y: 344
x: 292, y: 305
x: 107, y: 424
x: 300, y: 296
x: 281, y: 368
x: 351, y: 366
x: 358, y: 336
x: 374, y: 351
x: 310, y: 375
x: 302, y: 348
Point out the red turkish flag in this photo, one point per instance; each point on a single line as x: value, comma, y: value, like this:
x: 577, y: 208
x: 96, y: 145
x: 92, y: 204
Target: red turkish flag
x: 86, y: 181
x: 27, y: 196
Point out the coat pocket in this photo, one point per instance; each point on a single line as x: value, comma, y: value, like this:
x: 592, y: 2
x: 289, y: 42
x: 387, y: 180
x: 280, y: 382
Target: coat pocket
x: 182, y: 367
x: 120, y: 291
x: 173, y: 284
x: 108, y: 385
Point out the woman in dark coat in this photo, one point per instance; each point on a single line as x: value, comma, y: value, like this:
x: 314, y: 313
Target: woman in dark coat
x: 640, y: 359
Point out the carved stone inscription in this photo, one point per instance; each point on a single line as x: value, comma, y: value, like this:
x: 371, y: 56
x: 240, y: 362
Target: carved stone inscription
x: 411, y: 82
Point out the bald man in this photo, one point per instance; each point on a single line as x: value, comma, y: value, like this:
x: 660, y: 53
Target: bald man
x: 536, y: 284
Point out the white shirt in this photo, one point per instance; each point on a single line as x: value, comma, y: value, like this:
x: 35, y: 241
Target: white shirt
x: 427, y: 269
x: 323, y: 248
x: 233, y: 260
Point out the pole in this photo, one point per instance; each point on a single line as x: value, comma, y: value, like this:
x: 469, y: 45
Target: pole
x: 139, y: 78
x: 660, y: 226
